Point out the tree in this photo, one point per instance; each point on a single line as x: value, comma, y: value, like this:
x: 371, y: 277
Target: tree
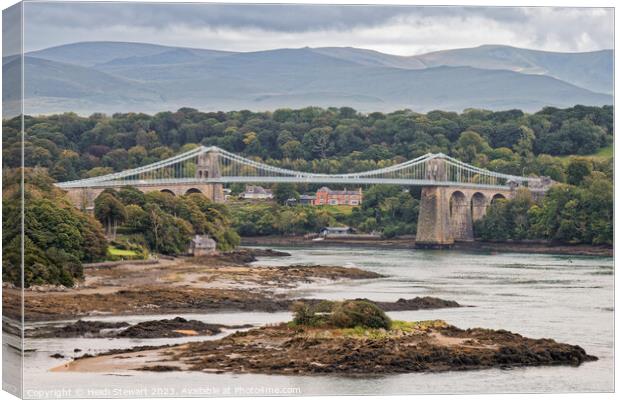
x: 495, y: 225
x: 317, y: 143
x: 130, y: 195
x: 165, y: 233
x: 285, y: 191
x: 470, y: 145
x: 598, y: 208
x: 506, y: 135
x: 578, y: 169
x: 110, y: 211
x: 389, y: 209
x: 57, y: 236
x: 575, y: 136
x: 292, y: 149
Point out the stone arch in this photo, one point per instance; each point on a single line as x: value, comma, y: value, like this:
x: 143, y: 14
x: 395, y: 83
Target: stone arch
x: 92, y: 194
x: 193, y: 190
x: 498, y: 196
x: 478, y: 206
x: 168, y: 191
x: 457, y: 200
x: 460, y: 216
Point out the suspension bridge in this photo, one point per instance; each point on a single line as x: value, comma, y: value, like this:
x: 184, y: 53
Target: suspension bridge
x: 454, y: 193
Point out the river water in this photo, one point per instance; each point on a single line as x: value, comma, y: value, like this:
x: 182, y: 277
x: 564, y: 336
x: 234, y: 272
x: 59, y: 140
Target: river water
x: 566, y: 298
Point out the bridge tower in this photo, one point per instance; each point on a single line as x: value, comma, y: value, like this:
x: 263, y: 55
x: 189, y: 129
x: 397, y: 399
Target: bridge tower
x: 434, y: 228
x: 208, y: 167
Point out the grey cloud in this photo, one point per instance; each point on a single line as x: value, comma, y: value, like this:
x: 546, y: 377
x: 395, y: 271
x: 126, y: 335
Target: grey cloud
x: 257, y: 27
x: 284, y: 18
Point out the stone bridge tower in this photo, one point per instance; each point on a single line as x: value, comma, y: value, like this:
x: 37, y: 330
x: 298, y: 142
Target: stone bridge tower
x: 434, y: 218
x: 208, y: 167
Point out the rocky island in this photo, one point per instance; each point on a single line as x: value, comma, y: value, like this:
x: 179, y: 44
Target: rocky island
x: 351, y: 337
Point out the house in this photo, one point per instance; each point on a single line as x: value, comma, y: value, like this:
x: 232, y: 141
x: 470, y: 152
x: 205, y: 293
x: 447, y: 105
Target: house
x: 336, y: 231
x: 338, y: 197
x: 257, y: 192
x: 202, y: 245
x: 306, y: 200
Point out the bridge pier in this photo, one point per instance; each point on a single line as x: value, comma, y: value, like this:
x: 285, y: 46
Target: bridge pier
x: 461, y: 222
x: 447, y: 214
x: 434, y: 227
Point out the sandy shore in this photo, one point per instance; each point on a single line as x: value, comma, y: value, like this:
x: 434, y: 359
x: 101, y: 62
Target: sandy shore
x: 119, y: 362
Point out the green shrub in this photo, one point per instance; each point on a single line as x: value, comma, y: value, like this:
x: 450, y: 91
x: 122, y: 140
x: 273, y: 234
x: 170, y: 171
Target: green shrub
x: 346, y: 314
x: 352, y: 313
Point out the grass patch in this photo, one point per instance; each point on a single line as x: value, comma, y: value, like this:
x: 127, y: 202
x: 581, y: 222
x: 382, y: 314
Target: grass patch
x: 340, y: 209
x: 397, y: 328
x: 411, y: 326
x: 119, y: 253
x: 605, y: 152
x: 602, y: 154
x: 113, y: 251
x: 363, y: 332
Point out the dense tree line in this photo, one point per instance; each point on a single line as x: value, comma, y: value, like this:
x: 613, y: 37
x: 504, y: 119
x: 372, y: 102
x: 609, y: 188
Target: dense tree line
x: 260, y: 219
x: 57, y: 239
x: 580, y: 212
x: 321, y: 140
x: 386, y: 210
x: 163, y: 222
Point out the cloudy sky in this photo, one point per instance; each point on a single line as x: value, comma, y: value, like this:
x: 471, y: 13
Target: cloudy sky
x: 403, y: 30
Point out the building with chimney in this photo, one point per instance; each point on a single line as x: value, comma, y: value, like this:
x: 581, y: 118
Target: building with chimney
x: 338, y: 197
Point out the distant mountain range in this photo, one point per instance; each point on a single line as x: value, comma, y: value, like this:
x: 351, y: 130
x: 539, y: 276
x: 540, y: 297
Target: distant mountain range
x: 111, y: 77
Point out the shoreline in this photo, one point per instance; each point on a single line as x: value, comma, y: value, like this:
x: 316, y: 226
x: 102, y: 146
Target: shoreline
x: 221, y: 283
x: 409, y: 243
x: 232, y: 282
x: 262, y: 303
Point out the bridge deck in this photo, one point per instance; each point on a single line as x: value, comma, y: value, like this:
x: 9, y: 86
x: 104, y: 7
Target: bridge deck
x: 259, y: 179
x: 211, y: 165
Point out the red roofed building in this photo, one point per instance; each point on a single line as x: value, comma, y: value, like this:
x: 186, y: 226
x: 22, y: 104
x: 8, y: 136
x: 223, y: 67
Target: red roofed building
x: 338, y: 197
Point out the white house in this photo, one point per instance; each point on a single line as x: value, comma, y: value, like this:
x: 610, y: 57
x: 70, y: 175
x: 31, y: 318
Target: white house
x: 331, y: 231
x: 257, y: 192
x: 202, y: 245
